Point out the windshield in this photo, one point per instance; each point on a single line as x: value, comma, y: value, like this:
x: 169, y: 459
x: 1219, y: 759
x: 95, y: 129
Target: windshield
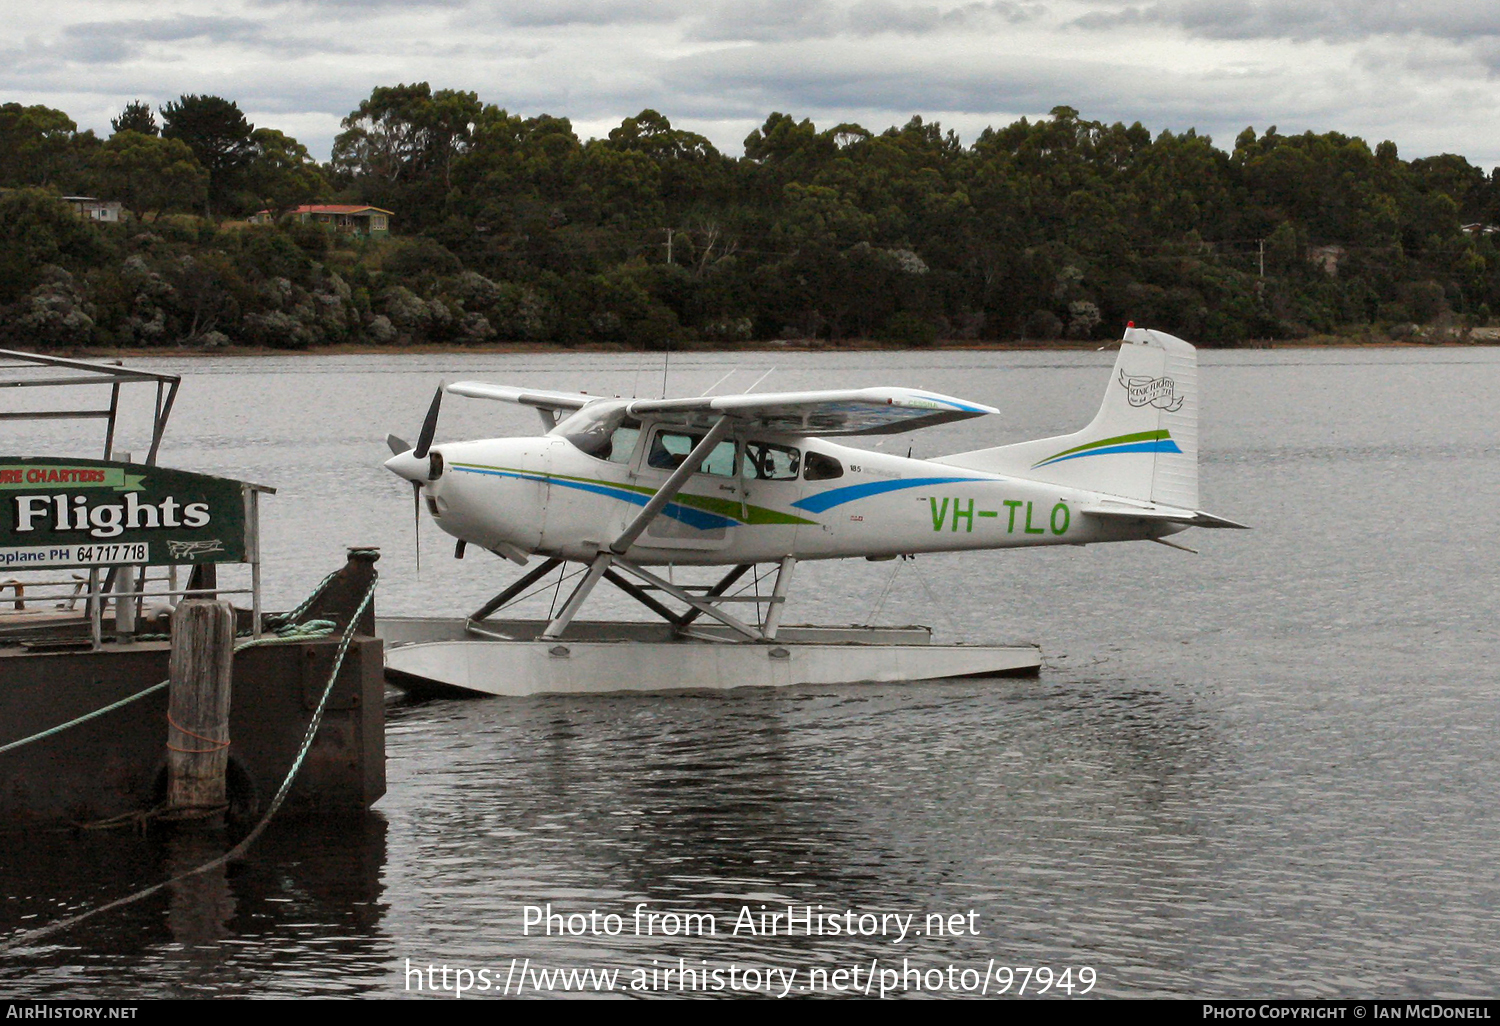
x: 593, y: 428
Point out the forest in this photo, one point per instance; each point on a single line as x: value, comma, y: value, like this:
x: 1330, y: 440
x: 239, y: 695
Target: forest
x: 509, y: 229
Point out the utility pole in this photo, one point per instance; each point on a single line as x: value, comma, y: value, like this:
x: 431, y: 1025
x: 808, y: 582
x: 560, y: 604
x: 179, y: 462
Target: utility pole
x: 1262, y: 257
x: 669, y: 245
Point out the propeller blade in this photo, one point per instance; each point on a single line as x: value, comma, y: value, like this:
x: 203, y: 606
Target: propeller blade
x: 397, y: 445
x: 416, y: 515
x: 429, y: 426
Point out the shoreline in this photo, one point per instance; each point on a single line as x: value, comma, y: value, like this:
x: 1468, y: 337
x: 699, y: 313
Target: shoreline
x: 797, y: 346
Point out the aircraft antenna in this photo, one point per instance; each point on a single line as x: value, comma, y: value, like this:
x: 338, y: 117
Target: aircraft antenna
x: 666, y: 361
x: 758, y: 380
x: 721, y: 381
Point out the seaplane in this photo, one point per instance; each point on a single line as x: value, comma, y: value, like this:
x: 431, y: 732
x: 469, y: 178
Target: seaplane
x: 626, y: 490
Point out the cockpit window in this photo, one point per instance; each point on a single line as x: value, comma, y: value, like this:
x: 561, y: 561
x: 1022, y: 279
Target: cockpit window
x: 602, y: 430
x: 623, y: 442
x: 766, y: 461
x: 670, y: 448
x: 821, y: 468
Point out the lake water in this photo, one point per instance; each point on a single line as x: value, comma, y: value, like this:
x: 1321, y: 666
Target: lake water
x: 1268, y: 769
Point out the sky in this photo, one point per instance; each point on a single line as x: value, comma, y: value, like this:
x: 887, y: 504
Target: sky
x: 1424, y: 73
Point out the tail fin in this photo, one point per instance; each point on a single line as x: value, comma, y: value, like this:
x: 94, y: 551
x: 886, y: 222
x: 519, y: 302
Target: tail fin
x: 1143, y: 442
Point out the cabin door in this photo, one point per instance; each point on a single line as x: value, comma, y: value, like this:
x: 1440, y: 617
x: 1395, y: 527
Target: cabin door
x: 705, y: 513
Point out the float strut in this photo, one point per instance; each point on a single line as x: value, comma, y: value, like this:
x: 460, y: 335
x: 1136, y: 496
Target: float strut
x: 778, y: 597
x: 525, y: 582
x: 570, y: 609
x: 640, y: 596
x: 724, y: 585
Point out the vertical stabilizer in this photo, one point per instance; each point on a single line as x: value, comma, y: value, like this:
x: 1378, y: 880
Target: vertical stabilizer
x: 1143, y: 442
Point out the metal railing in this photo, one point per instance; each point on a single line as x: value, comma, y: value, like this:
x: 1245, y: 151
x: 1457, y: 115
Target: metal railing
x: 27, y: 372
x: 42, y: 606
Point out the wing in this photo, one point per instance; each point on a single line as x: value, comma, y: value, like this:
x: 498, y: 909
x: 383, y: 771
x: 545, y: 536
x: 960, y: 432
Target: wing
x: 864, y: 411
x: 539, y: 397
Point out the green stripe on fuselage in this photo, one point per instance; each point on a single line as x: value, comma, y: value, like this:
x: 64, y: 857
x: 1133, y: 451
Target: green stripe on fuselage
x: 1139, y: 436
x: 748, y: 514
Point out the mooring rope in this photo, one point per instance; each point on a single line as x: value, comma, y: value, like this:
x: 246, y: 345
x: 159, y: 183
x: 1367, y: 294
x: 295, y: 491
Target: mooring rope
x: 288, y: 631
x: 290, y: 618
x: 31, y: 936
x: 84, y: 718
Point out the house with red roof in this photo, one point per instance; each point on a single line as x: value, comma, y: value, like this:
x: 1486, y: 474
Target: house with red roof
x: 351, y: 218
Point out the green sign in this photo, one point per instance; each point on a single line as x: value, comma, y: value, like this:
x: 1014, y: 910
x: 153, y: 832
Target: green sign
x: 81, y: 513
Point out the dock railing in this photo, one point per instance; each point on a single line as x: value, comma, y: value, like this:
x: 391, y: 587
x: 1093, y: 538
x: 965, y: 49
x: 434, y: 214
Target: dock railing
x: 37, y: 601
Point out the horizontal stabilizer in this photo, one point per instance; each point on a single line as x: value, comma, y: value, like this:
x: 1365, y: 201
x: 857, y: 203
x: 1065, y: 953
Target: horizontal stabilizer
x: 1159, y: 514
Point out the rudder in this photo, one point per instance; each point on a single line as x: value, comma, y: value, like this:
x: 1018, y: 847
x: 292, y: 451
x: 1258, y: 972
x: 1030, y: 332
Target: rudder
x: 1143, y: 442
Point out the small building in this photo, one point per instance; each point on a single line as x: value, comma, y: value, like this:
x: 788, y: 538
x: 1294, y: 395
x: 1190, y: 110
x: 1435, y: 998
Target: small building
x: 1327, y: 258
x: 1479, y: 229
x: 352, y: 218
x: 92, y: 208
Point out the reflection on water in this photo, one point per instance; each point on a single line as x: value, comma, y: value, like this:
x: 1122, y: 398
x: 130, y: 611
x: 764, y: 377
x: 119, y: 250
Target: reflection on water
x: 299, y: 916
x: 1264, y: 770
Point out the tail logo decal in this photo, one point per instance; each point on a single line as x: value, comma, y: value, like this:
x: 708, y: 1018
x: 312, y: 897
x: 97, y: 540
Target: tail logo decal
x: 1142, y: 390
x: 1141, y: 441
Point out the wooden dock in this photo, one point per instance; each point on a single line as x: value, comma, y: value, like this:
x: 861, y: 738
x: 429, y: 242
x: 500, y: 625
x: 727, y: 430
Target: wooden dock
x: 116, y: 763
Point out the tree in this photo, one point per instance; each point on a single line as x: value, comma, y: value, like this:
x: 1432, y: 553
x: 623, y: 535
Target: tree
x: 400, y: 149
x: 36, y: 145
x: 145, y: 172
x: 136, y: 117
x: 38, y: 229
x: 219, y: 136
x: 282, y: 174
x: 691, y: 169
x: 405, y: 131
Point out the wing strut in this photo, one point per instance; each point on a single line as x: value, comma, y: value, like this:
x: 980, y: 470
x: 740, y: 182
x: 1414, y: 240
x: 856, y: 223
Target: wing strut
x: 612, y: 556
x: 672, y: 486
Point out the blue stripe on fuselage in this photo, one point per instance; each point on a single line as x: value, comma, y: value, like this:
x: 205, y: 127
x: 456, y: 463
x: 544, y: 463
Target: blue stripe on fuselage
x: 1157, y: 445
x: 698, y: 518
x: 838, y: 496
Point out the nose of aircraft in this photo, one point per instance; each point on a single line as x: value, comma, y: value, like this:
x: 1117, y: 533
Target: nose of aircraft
x: 407, y: 466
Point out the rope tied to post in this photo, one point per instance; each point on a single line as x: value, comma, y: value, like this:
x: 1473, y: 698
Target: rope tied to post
x: 215, y: 744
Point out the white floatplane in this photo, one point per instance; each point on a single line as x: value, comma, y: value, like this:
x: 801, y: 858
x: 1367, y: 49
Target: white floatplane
x: 618, y: 486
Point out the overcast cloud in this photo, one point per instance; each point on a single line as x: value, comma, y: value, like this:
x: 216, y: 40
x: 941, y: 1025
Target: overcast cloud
x: 1421, y: 72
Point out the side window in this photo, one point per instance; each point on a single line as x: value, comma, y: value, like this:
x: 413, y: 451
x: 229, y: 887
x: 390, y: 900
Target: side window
x: 822, y: 468
x: 670, y: 448
x: 765, y: 461
x: 622, y: 444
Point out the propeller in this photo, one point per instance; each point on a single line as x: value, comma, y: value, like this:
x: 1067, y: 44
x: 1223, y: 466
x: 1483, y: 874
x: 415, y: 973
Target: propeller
x: 429, y: 425
x: 407, y: 461
x: 416, y: 523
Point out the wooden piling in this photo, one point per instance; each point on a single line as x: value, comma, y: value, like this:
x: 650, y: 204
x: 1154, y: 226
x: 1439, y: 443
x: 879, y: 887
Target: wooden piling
x: 200, y: 670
